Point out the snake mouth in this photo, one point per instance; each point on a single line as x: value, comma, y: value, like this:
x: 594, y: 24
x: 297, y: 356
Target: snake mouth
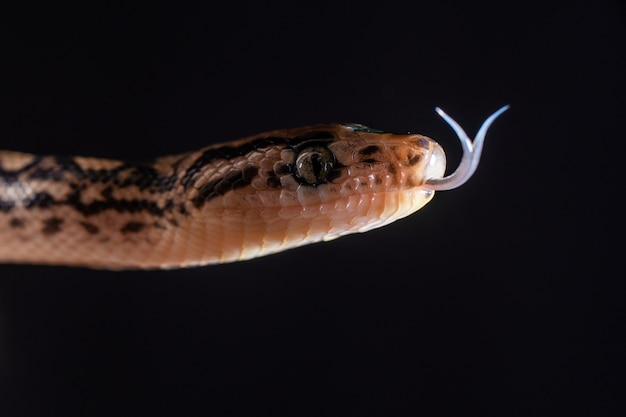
x: 436, y: 166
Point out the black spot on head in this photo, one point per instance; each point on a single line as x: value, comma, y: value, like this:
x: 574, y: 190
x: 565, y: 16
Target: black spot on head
x: 132, y: 227
x: 249, y: 172
x: 282, y: 169
x: 90, y: 228
x: 369, y: 150
x: 52, y: 225
x: 273, y: 182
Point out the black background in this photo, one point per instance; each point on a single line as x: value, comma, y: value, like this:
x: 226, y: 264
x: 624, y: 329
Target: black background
x: 504, y: 297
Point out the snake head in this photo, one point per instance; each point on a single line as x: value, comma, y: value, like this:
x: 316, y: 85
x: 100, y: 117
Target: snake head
x: 292, y: 187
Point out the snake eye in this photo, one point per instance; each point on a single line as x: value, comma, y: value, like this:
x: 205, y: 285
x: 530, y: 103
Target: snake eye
x: 313, y: 164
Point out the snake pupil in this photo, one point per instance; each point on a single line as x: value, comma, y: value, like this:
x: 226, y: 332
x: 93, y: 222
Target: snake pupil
x: 313, y: 164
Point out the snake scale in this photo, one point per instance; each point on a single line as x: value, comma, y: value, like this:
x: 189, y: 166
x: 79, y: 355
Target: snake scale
x: 227, y: 202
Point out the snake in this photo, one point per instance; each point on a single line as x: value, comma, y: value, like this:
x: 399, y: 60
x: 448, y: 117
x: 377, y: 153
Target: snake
x: 227, y: 202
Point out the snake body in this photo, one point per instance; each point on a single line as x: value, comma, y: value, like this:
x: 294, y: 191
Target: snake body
x: 227, y: 202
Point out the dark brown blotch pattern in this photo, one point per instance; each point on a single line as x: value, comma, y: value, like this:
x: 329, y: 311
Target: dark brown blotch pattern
x: 90, y: 228
x: 16, y: 223
x: 52, y: 226
x: 133, y: 227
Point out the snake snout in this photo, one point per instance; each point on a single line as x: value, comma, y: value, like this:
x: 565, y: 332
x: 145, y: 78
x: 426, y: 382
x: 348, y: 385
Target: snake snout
x: 436, y: 166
